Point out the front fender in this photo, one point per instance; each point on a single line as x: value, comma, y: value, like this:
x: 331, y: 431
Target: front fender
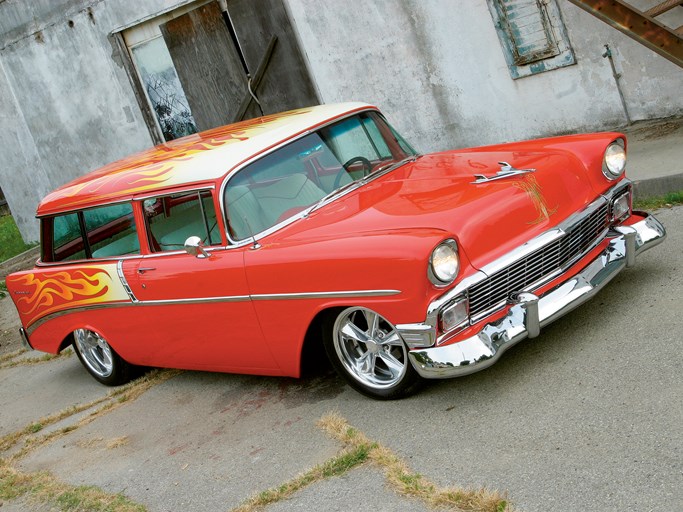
x: 292, y: 281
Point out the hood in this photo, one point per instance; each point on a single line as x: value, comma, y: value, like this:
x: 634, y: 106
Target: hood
x: 488, y: 219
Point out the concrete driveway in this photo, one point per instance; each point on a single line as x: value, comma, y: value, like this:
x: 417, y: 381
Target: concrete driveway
x: 586, y: 417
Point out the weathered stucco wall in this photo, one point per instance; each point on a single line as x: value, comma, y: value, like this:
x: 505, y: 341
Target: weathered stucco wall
x: 437, y: 69
x: 66, y: 104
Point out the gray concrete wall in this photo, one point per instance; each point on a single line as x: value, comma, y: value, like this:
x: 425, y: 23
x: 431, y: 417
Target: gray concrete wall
x: 437, y: 69
x: 66, y: 104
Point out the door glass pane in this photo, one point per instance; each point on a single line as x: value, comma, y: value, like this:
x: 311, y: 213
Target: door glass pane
x: 67, y: 239
x: 173, y: 219
x: 163, y: 88
x: 111, y: 231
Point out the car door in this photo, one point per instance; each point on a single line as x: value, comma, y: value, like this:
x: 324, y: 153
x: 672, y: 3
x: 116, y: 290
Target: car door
x: 197, y: 309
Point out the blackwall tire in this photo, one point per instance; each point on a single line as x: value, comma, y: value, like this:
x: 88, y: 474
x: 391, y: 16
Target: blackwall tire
x: 100, y: 359
x: 369, y: 353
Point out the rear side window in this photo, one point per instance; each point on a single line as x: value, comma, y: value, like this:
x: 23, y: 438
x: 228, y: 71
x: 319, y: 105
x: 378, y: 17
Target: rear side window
x: 94, y: 233
x: 68, y: 239
x: 174, y: 218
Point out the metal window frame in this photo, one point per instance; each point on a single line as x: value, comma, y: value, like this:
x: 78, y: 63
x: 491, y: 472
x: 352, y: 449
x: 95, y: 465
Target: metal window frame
x: 559, y: 54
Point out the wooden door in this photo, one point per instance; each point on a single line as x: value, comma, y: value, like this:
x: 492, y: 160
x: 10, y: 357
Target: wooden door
x: 218, y: 55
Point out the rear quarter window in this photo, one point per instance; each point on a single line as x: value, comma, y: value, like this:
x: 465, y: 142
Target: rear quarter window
x: 101, y: 232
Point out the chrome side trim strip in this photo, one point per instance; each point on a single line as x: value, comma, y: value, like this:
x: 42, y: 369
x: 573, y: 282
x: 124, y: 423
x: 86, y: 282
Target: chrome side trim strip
x: 227, y: 298
x: 124, y: 281
x: 530, y: 313
x: 197, y: 300
x: 325, y: 295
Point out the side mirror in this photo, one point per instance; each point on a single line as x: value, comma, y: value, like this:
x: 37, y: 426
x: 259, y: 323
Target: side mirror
x: 195, y: 247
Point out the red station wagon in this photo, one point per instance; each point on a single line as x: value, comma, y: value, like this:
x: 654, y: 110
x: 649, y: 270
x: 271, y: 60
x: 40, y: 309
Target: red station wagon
x: 237, y: 249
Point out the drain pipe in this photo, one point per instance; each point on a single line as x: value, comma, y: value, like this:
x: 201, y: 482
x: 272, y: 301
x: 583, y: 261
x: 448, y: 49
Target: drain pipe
x: 608, y: 54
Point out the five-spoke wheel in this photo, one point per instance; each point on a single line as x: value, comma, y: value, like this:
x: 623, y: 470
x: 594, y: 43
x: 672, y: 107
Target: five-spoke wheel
x: 101, y: 361
x: 367, y: 350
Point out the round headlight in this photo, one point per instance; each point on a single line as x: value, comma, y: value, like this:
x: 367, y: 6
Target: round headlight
x: 444, y: 263
x: 615, y: 160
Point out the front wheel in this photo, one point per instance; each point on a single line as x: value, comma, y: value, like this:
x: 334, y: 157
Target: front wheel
x: 101, y: 361
x: 369, y: 353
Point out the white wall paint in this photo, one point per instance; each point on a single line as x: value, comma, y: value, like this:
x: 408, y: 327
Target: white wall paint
x: 437, y: 69
x: 67, y: 106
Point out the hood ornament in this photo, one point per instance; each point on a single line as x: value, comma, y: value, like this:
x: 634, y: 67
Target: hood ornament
x: 506, y: 170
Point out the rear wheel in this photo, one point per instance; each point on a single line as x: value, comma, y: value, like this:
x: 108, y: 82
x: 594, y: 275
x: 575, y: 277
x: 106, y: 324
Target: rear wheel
x: 369, y: 353
x: 101, y: 361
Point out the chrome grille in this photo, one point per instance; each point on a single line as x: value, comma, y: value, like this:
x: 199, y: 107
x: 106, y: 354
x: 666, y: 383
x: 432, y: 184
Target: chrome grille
x: 540, y: 264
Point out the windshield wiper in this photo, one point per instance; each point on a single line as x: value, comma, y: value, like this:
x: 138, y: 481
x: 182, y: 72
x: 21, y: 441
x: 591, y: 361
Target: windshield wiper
x: 361, y: 181
x: 335, y: 192
x: 391, y: 166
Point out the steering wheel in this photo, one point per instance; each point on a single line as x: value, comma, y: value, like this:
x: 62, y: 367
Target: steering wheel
x: 367, y: 168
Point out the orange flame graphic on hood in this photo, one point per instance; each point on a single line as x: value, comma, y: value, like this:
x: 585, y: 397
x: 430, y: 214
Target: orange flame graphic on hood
x: 53, y: 291
x: 530, y: 185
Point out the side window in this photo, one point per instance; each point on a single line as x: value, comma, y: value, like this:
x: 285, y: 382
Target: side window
x: 351, y: 139
x: 67, y: 238
x: 376, y: 138
x: 109, y: 231
x: 174, y: 218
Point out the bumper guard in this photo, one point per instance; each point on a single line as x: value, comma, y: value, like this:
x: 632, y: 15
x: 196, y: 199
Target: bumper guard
x: 529, y: 313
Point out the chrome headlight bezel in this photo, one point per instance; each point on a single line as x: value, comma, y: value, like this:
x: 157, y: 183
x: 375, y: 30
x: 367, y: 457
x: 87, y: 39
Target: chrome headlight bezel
x: 614, y: 160
x: 444, y: 263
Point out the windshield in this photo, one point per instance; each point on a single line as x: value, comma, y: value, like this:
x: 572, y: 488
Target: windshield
x: 300, y: 174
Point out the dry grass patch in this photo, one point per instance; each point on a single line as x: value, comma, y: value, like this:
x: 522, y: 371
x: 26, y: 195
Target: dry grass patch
x: 12, y: 355
x: 336, y: 466
x: 90, y: 443
x: 117, y: 442
x: 43, y: 487
x: 34, y: 360
x: 409, y: 483
x: 111, y: 401
x: 358, y: 449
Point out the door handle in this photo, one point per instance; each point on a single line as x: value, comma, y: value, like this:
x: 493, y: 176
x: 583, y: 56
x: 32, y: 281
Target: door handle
x: 142, y: 270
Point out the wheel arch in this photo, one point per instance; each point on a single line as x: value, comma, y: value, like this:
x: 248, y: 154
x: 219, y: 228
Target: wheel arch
x: 312, y: 351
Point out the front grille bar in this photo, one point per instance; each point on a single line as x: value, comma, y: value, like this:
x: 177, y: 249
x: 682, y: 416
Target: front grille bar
x: 541, y: 265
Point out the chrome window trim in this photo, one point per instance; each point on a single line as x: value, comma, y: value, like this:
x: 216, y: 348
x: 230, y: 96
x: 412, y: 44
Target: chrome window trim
x: 191, y: 188
x: 171, y: 191
x: 99, y: 205
x: 108, y: 259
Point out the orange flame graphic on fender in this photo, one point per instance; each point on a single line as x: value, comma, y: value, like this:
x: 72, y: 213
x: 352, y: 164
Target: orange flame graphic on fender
x: 37, y: 294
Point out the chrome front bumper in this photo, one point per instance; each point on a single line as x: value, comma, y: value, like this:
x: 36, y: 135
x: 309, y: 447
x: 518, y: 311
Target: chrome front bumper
x: 529, y: 313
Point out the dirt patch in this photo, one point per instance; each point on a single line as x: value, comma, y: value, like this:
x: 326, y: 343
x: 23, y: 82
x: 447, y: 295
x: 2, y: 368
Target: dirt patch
x: 10, y: 340
x: 655, y: 129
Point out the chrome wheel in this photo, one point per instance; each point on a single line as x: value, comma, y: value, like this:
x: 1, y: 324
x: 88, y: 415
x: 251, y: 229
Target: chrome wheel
x: 370, y: 349
x: 95, y: 352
